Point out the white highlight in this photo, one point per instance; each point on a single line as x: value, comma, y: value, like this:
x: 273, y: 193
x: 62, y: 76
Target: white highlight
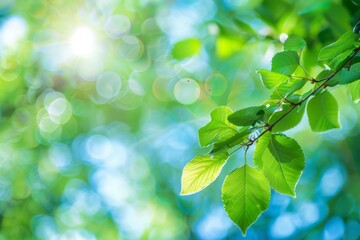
x: 12, y: 31
x: 283, y: 37
x: 83, y: 42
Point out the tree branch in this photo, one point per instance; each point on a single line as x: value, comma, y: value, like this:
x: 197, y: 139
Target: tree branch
x: 324, y: 81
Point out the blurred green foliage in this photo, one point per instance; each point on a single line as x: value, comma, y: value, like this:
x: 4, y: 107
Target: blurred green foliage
x: 99, y: 110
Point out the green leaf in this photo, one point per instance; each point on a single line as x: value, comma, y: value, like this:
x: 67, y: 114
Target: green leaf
x: 354, y: 89
x: 287, y: 88
x: 218, y: 128
x: 324, y: 74
x: 323, y: 112
x: 346, y: 76
x: 282, y: 161
x: 344, y: 43
x: 271, y: 79
x: 285, y: 62
x: 261, y: 146
x: 247, y: 116
x: 201, y: 171
x: 245, y: 195
x: 336, y: 62
x: 294, y: 43
x: 186, y: 48
x: 290, y: 121
x: 236, y: 139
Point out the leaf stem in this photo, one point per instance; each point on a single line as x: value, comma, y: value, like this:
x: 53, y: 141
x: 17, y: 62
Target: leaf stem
x: 306, y: 72
x: 246, y: 149
x: 284, y: 98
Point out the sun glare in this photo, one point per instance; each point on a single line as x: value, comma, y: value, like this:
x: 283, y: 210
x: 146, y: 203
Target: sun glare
x: 82, y: 42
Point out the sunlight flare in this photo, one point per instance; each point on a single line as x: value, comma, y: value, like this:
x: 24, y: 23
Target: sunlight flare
x: 83, y: 42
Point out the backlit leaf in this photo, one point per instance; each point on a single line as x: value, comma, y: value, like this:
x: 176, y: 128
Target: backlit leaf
x: 285, y: 62
x: 336, y: 62
x: 201, y: 171
x: 294, y: 43
x: 354, y: 89
x: 282, y: 161
x: 344, y: 43
x: 236, y: 139
x: 218, y: 128
x: 323, y: 112
x: 290, y: 121
x: 245, y: 195
x: 271, y: 79
x: 346, y: 76
x: 260, y: 147
x: 287, y: 88
x: 247, y: 116
x: 324, y: 74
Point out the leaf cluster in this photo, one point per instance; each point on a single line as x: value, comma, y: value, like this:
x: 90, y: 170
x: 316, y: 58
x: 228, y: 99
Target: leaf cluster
x: 278, y: 159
